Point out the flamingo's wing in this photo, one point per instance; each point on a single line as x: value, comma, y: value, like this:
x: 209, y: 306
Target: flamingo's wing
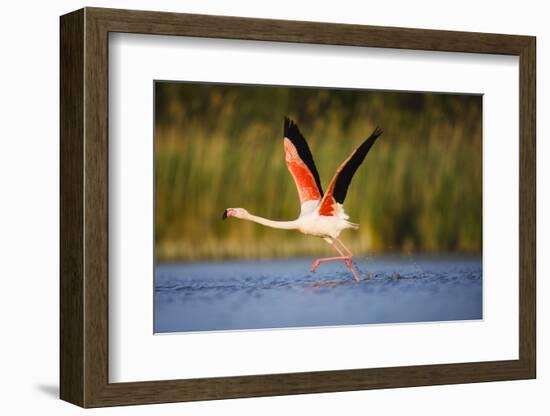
x: 338, y: 187
x: 302, y: 167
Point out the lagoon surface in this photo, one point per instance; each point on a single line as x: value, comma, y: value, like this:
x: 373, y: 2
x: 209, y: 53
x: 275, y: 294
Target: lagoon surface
x: 239, y: 295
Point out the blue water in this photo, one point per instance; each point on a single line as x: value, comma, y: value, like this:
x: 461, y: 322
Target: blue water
x: 237, y: 295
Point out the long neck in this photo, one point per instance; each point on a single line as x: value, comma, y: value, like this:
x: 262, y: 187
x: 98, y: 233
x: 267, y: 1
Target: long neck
x: 283, y: 225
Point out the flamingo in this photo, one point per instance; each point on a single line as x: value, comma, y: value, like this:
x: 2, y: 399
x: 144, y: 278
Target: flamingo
x: 321, y: 215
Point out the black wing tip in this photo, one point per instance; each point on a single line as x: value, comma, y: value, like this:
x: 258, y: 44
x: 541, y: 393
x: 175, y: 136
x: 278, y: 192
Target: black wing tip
x: 377, y: 132
x: 344, y: 179
x: 291, y: 129
x: 365, y: 147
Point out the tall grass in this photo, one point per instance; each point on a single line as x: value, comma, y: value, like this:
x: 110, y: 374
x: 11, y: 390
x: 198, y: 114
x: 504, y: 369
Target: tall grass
x: 221, y: 146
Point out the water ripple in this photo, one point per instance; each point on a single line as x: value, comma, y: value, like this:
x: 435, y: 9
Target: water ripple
x: 283, y: 293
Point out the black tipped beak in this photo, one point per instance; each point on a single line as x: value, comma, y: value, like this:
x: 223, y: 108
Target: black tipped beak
x: 224, y: 216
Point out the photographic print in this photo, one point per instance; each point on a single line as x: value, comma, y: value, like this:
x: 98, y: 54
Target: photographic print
x: 298, y: 207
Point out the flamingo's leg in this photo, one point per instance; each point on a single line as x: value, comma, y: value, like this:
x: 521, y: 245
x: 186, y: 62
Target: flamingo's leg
x: 324, y: 259
x: 342, y: 256
x: 345, y: 257
x: 350, y: 254
x: 348, y: 259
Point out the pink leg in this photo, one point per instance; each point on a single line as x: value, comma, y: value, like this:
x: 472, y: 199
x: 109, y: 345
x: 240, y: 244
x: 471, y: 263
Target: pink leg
x: 348, y: 260
x: 342, y: 256
x: 350, y: 254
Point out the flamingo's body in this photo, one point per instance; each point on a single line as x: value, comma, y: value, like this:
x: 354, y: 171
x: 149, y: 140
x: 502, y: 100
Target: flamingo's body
x: 321, y: 215
x: 318, y: 225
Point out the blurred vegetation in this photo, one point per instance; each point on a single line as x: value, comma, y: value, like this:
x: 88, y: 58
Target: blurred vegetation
x: 219, y: 146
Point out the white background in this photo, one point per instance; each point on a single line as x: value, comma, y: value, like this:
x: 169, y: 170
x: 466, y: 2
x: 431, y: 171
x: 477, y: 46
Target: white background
x: 29, y: 210
x: 136, y: 355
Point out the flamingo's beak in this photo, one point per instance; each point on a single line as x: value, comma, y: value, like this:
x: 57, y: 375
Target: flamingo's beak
x: 229, y: 212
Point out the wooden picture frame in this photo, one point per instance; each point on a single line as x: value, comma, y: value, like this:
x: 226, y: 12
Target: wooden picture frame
x: 84, y: 207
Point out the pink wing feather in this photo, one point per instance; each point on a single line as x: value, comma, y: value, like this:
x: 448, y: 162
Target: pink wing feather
x: 303, y: 178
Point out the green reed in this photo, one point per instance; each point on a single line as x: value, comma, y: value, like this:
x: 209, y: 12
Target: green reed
x: 419, y: 188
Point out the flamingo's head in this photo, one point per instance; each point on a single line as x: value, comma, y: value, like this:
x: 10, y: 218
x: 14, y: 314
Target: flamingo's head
x: 235, y: 212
